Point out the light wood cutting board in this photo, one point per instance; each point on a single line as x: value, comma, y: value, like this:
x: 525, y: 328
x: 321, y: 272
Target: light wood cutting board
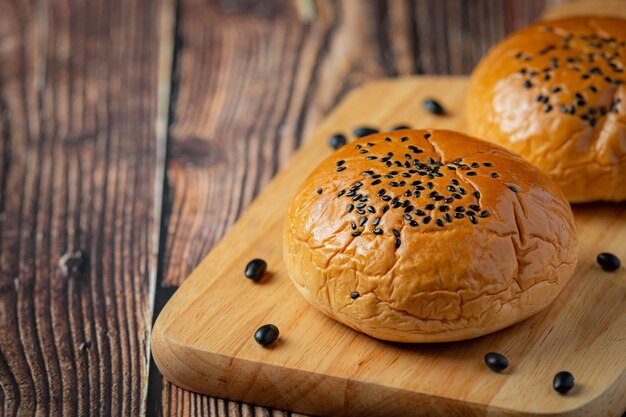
x: 203, y: 341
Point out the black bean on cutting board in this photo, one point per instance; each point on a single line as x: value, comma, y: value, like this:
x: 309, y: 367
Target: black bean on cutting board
x: 256, y: 269
x: 361, y: 131
x: 433, y: 106
x: 608, y: 261
x: 563, y: 382
x: 266, y: 334
x: 337, y: 140
x: 496, y: 361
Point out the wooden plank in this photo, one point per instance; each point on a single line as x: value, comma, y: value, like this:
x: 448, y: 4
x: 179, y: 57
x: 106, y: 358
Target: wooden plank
x: 252, y: 81
x: 78, y: 206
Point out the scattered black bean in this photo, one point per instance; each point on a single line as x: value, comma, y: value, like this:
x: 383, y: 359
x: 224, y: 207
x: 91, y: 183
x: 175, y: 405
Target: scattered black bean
x: 608, y: 261
x: 563, y: 382
x: 433, y: 106
x: 496, y: 361
x: 266, y: 334
x: 337, y: 140
x: 361, y: 131
x: 256, y: 269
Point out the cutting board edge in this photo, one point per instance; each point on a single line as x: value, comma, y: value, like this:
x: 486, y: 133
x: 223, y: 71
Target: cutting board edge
x: 260, y: 374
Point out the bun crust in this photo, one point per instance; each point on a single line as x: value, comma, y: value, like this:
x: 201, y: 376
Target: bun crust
x: 555, y: 92
x: 500, y: 252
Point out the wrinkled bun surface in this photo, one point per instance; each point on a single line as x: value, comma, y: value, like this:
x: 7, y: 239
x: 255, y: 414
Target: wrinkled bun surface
x: 428, y: 236
x: 556, y: 94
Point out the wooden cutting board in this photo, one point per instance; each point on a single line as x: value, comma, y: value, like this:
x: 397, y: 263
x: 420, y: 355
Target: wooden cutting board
x: 203, y: 341
x: 203, y: 338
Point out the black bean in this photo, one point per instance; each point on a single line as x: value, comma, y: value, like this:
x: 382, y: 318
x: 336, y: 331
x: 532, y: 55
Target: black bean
x: 563, y: 382
x: 496, y: 361
x: 266, y: 334
x: 337, y: 140
x: 361, y: 131
x: 401, y: 127
x: 256, y: 269
x: 608, y: 261
x: 433, y: 106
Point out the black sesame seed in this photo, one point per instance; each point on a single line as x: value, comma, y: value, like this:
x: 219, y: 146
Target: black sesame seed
x: 433, y: 107
x: 484, y: 213
x: 376, y: 182
x: 340, y: 169
x: 455, y: 182
x: 385, y: 209
x: 608, y: 261
x: 340, y: 193
x: 459, y: 209
x: 363, y: 151
x: 413, y: 223
x: 357, y: 233
x: 563, y: 382
x: 378, y: 231
x: 496, y: 361
x: 473, y: 219
x: 474, y: 207
x: 439, y: 222
x: 470, y: 173
x: 447, y: 217
x: 361, y: 131
x: 350, y: 208
x: 255, y: 269
x: 408, y: 217
x: 371, y: 209
x: 319, y: 190
x: 355, y: 295
x: 395, y: 232
x: 527, y: 84
x: 340, y: 163
x: 337, y: 140
x: 419, y: 212
x: 494, y: 175
x: 360, y: 205
x: 266, y: 334
x: 426, y: 220
x: 376, y: 221
x: 462, y: 191
x: 362, y: 221
x: 360, y: 211
x: 429, y: 206
x: 548, y: 108
x: 556, y: 90
x: 387, y: 139
x: 404, y: 139
x: 444, y: 208
x: 459, y: 215
x: 512, y: 188
x: 397, y: 243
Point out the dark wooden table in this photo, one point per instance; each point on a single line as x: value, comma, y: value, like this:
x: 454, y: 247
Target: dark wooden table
x: 133, y: 133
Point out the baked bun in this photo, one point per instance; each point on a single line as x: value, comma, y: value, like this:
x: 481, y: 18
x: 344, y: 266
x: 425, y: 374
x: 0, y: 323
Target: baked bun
x: 554, y: 92
x: 428, y: 236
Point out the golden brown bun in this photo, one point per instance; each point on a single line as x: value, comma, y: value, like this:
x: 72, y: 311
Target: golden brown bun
x: 429, y: 282
x: 544, y: 93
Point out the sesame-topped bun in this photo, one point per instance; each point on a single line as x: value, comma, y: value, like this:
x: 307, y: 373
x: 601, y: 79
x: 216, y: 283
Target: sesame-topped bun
x: 428, y: 236
x: 555, y: 93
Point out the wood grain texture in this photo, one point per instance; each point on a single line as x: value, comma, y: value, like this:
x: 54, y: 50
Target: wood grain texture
x: 78, y: 100
x: 203, y: 338
x: 253, y: 79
